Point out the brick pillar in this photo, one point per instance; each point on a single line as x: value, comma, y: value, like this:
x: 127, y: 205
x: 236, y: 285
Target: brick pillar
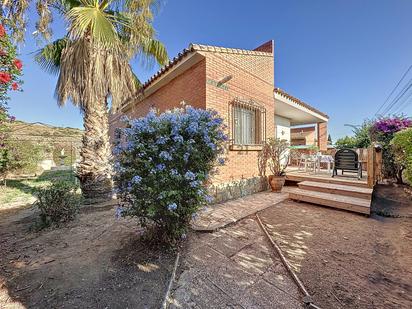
x: 322, y: 130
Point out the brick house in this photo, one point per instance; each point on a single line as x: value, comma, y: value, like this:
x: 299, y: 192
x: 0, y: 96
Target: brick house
x: 303, y: 136
x: 239, y: 84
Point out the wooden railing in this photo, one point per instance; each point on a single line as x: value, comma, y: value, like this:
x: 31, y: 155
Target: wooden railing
x: 374, y: 165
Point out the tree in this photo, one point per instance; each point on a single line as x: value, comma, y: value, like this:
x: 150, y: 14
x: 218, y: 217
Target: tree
x: 92, y: 63
x: 362, y: 134
x: 346, y: 142
x: 360, y: 138
x: 329, y: 139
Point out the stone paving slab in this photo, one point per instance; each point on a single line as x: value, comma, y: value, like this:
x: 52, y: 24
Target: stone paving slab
x: 234, y: 267
x: 220, y: 215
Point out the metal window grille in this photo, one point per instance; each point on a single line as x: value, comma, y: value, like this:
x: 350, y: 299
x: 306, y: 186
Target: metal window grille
x: 247, y: 122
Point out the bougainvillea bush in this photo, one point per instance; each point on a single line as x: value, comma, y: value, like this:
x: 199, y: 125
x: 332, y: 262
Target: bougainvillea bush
x: 382, y: 131
x: 10, y: 72
x: 161, y: 167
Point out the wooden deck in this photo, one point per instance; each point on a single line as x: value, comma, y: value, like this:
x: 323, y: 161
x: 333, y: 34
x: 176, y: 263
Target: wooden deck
x: 341, y: 192
x: 296, y: 175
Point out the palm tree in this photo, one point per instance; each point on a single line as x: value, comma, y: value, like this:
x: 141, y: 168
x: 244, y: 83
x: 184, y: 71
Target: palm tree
x: 92, y: 63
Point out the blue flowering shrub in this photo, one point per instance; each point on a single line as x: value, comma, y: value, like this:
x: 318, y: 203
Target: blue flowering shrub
x: 162, y: 163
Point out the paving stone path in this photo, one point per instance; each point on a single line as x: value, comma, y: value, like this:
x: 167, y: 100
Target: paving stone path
x: 224, y: 214
x: 235, y: 267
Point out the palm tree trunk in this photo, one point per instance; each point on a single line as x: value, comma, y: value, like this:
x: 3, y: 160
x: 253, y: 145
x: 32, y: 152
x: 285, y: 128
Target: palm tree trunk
x: 94, y: 167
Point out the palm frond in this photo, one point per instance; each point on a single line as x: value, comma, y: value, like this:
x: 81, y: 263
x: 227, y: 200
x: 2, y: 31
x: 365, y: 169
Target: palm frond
x: 152, y: 48
x: 91, y: 72
x: 93, y: 22
x: 45, y: 19
x: 49, y: 57
x: 63, y: 6
x: 93, y: 61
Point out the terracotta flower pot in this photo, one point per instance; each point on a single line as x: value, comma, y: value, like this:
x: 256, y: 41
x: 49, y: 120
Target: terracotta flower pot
x: 276, y: 183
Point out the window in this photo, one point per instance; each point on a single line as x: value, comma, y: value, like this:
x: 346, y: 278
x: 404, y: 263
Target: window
x: 248, y: 123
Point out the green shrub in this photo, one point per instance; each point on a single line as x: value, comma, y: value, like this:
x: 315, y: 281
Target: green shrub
x: 57, y: 203
x: 402, y: 149
x: 346, y: 142
x: 382, y: 132
x: 162, y: 165
x: 24, y: 157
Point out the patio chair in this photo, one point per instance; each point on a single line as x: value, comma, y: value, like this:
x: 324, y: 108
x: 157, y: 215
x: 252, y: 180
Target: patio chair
x: 310, y: 161
x: 347, y: 160
x: 295, y: 158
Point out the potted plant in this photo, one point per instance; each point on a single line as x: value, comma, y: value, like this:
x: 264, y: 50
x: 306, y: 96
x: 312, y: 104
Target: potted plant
x: 276, y: 154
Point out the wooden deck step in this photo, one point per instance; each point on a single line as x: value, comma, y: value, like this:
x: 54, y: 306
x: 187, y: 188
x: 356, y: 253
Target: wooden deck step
x: 350, y: 181
x: 340, y: 189
x: 353, y: 204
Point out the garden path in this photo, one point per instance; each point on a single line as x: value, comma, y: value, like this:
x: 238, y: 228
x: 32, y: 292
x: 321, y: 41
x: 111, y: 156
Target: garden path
x: 221, y: 215
x: 235, y: 267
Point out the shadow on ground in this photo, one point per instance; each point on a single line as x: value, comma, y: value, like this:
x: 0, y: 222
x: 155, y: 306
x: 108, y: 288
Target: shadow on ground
x: 95, y: 261
x: 347, y: 260
x: 20, y: 191
x: 392, y: 200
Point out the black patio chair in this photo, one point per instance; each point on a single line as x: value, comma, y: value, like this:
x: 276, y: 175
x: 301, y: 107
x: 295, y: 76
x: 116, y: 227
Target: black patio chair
x: 347, y: 160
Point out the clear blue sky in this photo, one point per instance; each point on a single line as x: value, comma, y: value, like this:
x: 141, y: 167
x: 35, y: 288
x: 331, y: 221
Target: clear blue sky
x: 343, y: 57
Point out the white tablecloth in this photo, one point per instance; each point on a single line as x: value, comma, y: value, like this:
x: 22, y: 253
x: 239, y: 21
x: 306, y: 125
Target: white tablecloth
x: 325, y: 158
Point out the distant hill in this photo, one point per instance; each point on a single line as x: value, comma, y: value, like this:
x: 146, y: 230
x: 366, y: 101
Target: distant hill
x: 39, y: 131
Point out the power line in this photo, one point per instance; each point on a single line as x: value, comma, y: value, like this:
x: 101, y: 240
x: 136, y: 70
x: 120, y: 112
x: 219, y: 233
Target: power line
x: 404, y: 104
x: 393, y: 90
x: 398, y: 97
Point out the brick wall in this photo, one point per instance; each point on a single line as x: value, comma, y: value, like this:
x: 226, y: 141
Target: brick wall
x: 252, y: 78
x: 189, y: 87
x: 323, y: 136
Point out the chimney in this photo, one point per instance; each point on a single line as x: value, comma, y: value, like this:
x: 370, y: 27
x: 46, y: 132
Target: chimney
x: 267, y: 47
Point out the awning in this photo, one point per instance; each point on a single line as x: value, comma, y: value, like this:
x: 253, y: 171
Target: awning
x: 298, y: 112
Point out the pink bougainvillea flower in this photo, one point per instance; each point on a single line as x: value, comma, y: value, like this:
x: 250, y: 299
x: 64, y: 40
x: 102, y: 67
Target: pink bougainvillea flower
x: 2, y: 53
x: 18, y: 63
x: 15, y: 86
x: 392, y: 125
x: 2, y: 30
x: 5, y: 77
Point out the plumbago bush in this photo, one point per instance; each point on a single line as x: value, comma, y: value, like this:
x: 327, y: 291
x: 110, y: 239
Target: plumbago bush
x: 10, y: 72
x: 161, y: 167
x: 382, y: 131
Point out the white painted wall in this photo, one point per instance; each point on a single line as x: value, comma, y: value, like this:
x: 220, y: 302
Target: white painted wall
x: 282, y: 128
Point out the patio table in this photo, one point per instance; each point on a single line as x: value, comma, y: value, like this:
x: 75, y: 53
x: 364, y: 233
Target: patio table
x: 328, y: 159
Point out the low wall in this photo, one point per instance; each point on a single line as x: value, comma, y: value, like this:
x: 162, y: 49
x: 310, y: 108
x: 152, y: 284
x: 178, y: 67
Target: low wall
x: 235, y: 189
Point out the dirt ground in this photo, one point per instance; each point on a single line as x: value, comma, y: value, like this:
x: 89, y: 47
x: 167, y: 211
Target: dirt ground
x: 347, y: 260
x: 392, y: 200
x: 95, y: 261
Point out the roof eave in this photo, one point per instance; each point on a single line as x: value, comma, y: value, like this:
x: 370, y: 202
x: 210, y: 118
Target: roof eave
x: 284, y: 94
